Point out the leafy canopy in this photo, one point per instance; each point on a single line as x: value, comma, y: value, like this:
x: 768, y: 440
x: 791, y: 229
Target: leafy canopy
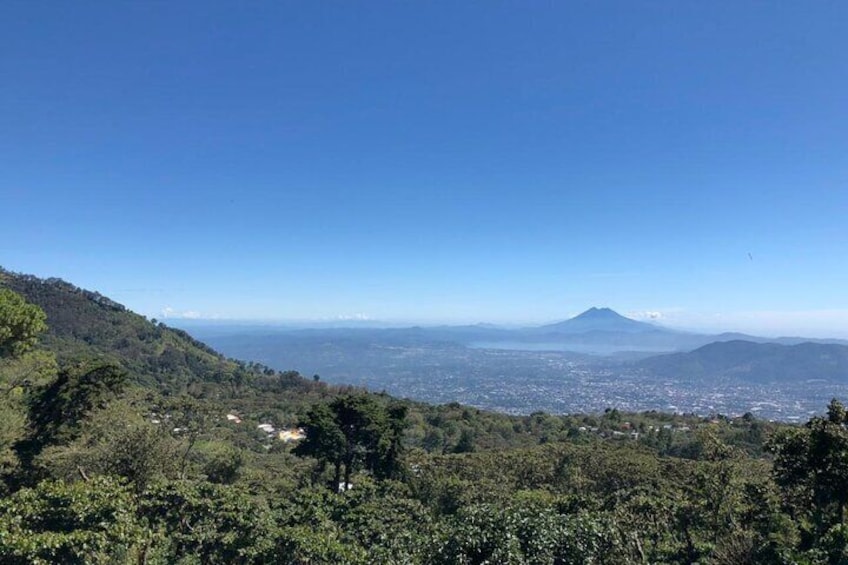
x: 20, y: 324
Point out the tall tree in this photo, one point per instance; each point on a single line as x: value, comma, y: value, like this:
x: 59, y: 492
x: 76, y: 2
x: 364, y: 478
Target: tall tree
x: 324, y: 439
x: 353, y: 432
x: 21, y: 369
x: 388, y: 461
x: 56, y: 410
x: 360, y: 421
x: 20, y: 323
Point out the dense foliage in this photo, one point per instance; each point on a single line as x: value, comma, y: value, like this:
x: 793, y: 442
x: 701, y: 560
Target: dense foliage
x: 107, y: 459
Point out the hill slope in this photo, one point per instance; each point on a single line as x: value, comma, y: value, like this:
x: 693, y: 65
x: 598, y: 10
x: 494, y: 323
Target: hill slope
x: 86, y: 324
x: 757, y: 362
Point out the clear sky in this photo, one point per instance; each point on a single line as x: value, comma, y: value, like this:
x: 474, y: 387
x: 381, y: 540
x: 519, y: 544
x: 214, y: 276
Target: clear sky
x: 433, y: 161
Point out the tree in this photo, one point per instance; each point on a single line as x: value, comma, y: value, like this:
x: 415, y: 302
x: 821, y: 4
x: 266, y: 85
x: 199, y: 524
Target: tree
x: 20, y: 324
x: 116, y: 441
x: 223, y: 462
x: 352, y: 432
x: 811, y: 466
x: 21, y: 368
x: 324, y: 439
x: 466, y: 442
x: 358, y: 420
x: 56, y: 410
x: 387, y: 463
x: 191, y: 419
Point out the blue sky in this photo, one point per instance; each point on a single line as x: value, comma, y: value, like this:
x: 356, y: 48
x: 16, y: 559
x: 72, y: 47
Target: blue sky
x: 433, y: 161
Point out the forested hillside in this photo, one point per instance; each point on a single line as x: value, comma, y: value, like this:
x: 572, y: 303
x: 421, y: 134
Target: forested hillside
x: 124, y: 441
x: 86, y: 324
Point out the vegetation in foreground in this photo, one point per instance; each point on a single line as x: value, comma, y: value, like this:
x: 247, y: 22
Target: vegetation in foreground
x: 124, y: 441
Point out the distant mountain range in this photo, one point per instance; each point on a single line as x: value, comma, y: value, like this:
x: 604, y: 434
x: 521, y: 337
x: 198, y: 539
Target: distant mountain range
x: 755, y: 362
x: 597, y: 331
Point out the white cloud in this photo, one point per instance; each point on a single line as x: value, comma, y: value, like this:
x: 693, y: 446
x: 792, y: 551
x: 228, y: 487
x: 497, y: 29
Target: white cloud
x: 168, y: 312
x: 359, y: 317
x: 646, y: 315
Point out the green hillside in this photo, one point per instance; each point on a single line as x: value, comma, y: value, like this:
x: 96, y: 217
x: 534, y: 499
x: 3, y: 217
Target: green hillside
x: 85, y: 324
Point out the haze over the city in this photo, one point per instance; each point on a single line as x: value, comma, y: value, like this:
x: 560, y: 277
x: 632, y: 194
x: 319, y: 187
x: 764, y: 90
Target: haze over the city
x: 680, y: 162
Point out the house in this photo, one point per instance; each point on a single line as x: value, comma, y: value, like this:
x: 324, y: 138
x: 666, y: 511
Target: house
x: 294, y: 434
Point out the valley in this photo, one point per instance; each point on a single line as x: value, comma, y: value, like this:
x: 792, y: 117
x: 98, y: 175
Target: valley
x: 784, y: 379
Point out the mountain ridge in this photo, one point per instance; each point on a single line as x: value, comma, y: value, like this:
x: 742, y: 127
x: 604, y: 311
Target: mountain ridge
x: 596, y: 331
x: 755, y: 362
x: 84, y: 324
